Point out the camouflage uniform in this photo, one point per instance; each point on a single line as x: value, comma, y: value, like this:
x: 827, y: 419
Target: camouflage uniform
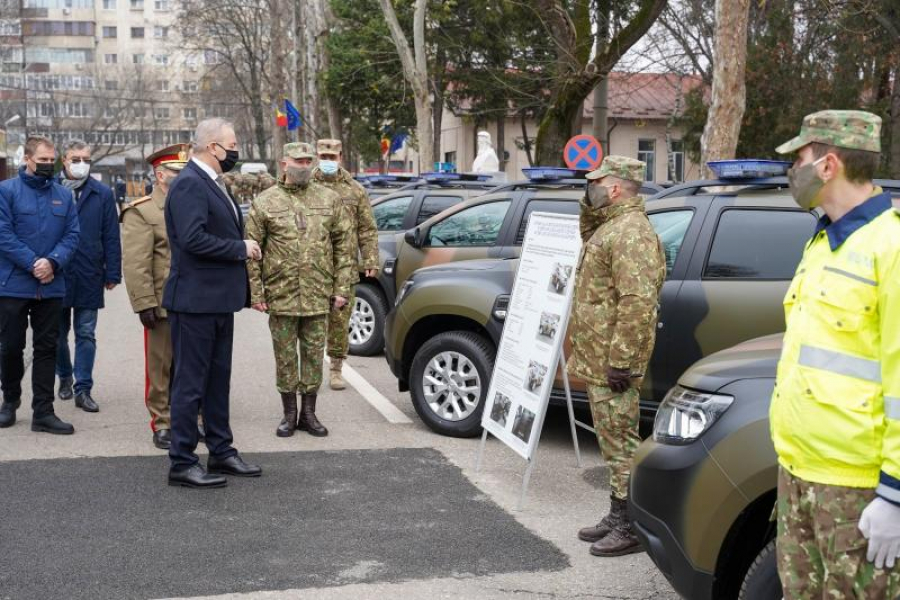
x: 363, y: 243
x: 617, y: 287
x: 304, y: 234
x: 821, y: 551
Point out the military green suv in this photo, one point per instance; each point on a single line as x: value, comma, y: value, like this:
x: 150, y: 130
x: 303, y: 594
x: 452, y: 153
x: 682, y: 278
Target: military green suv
x: 731, y: 249
x: 395, y: 212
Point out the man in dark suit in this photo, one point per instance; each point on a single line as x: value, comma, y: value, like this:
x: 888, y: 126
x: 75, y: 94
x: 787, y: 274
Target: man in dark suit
x: 207, y: 284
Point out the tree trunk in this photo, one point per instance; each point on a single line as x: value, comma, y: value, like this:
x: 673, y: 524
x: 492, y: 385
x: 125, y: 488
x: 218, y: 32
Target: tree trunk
x: 601, y: 91
x: 729, y: 92
x: 279, y: 81
x: 894, y: 166
x: 556, y: 128
x: 526, y: 141
x: 501, y: 141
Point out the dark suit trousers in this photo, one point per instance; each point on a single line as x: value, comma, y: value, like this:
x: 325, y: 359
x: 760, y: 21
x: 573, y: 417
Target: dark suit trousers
x: 201, y: 378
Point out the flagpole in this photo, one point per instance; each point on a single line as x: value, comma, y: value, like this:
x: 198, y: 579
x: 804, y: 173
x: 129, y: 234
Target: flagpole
x: 294, y: 59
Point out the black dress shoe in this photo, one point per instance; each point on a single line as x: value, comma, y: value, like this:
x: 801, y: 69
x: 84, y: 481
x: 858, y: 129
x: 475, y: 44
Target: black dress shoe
x: 162, y: 439
x: 52, y: 424
x: 65, y: 388
x: 233, y: 465
x: 195, y: 477
x: 84, y: 401
x: 8, y: 413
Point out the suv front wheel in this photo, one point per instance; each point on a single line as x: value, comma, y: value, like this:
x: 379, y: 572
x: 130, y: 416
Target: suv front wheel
x: 448, y: 382
x: 367, y: 321
x: 762, y: 582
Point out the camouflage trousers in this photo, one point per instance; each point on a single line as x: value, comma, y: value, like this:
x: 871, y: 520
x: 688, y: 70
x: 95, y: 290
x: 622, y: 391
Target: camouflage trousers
x: 616, y: 419
x: 339, y: 328
x: 309, y: 333
x: 821, y: 552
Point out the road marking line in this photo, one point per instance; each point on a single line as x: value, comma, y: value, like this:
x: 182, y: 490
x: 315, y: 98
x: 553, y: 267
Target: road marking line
x: 387, y: 409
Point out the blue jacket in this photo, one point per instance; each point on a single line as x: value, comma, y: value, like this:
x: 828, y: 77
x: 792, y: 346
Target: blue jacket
x: 37, y: 220
x: 208, y: 273
x: 98, y: 259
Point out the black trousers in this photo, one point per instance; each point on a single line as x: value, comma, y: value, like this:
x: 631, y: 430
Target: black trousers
x: 201, y: 379
x: 14, y: 317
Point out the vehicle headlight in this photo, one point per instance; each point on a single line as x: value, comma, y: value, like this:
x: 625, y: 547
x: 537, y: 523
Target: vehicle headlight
x: 684, y: 415
x: 403, y: 291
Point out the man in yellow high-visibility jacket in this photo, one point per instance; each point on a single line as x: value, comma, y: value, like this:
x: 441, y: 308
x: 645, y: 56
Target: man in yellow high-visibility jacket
x: 835, y: 412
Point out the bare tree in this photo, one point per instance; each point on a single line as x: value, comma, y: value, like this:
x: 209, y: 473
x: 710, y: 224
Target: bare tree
x: 729, y: 90
x: 415, y: 69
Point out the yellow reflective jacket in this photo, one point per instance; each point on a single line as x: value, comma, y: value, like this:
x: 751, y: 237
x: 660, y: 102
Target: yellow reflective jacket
x: 835, y: 413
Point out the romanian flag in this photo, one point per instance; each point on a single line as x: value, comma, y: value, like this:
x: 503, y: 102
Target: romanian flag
x: 385, y: 146
x: 281, y: 119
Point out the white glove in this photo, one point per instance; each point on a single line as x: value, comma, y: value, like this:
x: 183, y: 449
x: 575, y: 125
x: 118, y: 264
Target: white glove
x: 880, y: 524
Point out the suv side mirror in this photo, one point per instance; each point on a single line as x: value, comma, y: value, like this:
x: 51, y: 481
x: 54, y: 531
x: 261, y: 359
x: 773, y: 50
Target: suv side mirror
x: 412, y: 237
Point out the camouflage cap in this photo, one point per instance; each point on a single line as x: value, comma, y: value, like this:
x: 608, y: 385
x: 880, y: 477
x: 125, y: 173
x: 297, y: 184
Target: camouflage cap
x: 853, y: 129
x: 328, y: 146
x: 622, y: 167
x: 299, y: 150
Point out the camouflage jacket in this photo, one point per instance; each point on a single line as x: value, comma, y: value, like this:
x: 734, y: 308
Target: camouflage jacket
x: 145, y: 251
x: 619, y: 276
x: 304, y: 235
x: 365, y: 232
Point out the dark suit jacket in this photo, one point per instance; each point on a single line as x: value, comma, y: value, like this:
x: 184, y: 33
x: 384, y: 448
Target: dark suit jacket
x: 208, y: 273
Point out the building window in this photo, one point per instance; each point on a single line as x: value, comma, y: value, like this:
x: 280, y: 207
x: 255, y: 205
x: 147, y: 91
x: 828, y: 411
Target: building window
x: 137, y: 4
x: 111, y: 59
x: 161, y: 112
x: 137, y: 59
x: 110, y: 32
x: 210, y: 57
x: 160, y: 59
x: 160, y: 32
x: 137, y: 32
x: 162, y: 86
x: 10, y: 27
x: 676, y: 161
x: 111, y: 85
x: 450, y: 157
x: 189, y: 86
x: 647, y: 154
x: 161, y: 5
x: 190, y: 113
x: 109, y: 4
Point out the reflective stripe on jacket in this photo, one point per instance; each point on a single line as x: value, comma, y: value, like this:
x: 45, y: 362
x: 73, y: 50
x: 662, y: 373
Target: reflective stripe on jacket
x: 835, y: 413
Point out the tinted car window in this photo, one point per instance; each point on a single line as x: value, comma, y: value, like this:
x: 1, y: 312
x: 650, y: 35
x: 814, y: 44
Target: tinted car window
x: 671, y: 227
x: 475, y: 226
x: 759, y: 244
x: 389, y: 214
x: 433, y: 205
x: 561, y: 207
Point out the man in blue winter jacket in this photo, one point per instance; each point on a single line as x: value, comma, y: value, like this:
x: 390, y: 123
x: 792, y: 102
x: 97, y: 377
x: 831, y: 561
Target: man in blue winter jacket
x: 38, y: 235
x: 96, y: 263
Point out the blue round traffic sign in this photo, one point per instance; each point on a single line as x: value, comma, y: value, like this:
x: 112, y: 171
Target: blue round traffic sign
x: 583, y: 152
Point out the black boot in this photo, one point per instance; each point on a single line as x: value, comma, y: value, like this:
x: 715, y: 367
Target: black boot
x: 289, y: 422
x: 8, y: 413
x: 65, y: 388
x: 308, y: 421
x: 619, y: 542
x: 51, y: 424
x: 617, y: 508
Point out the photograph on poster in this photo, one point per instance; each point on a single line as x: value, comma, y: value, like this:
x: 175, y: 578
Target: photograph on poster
x: 523, y: 423
x: 559, y: 279
x: 547, y: 327
x: 500, y: 409
x: 534, y: 379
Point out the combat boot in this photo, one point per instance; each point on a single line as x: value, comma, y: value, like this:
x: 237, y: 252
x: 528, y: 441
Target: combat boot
x: 289, y: 423
x: 336, y: 379
x: 8, y: 413
x: 617, y: 509
x: 619, y: 542
x: 308, y: 421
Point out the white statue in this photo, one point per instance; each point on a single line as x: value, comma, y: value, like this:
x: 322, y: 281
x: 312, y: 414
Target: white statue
x: 486, y: 161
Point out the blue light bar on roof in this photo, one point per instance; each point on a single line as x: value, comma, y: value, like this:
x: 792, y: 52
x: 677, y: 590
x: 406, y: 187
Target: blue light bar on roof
x: 748, y: 168
x: 548, y: 173
x: 436, y: 177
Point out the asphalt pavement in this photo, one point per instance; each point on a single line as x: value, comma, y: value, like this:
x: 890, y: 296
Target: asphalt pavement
x: 382, y: 507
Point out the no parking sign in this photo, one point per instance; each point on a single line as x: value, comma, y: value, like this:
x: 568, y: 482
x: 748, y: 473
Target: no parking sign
x: 583, y: 153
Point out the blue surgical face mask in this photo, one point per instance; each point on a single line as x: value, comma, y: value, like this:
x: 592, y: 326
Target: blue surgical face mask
x: 328, y: 167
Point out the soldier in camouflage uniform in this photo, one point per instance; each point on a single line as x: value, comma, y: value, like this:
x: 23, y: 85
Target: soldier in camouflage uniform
x: 835, y: 411
x: 264, y: 182
x: 618, y: 280
x: 363, y: 242
x: 306, y: 271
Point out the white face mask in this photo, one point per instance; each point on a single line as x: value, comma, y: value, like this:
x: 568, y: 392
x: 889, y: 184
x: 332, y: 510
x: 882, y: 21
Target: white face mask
x: 79, y: 170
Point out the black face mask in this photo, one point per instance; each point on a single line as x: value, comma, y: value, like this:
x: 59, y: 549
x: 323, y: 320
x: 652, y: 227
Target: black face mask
x: 231, y: 158
x: 43, y: 170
